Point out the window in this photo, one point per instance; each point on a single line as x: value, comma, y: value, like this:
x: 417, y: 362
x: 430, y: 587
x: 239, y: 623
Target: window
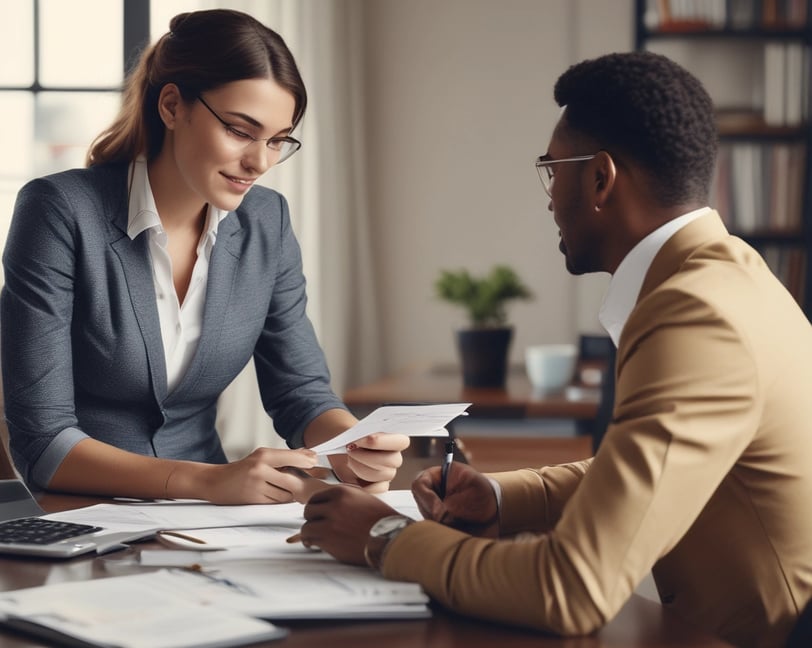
x: 60, y: 81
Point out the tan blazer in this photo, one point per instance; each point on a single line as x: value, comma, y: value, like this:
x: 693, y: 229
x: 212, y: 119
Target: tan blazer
x: 704, y: 475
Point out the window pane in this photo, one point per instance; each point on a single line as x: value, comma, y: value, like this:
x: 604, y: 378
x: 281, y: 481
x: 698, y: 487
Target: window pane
x: 77, y: 51
x: 17, y: 43
x: 16, y: 159
x: 66, y: 124
x: 16, y: 134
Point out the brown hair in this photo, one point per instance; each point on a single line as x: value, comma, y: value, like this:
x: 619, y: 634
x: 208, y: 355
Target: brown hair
x: 201, y: 51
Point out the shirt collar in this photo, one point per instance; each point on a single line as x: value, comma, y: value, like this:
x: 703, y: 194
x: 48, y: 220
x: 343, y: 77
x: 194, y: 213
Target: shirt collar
x: 142, y: 214
x: 624, y: 287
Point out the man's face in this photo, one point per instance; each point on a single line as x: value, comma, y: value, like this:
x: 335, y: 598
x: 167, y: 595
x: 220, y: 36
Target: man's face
x: 570, y: 202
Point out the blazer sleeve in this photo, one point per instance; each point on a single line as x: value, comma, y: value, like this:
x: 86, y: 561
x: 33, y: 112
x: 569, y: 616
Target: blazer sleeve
x: 661, y: 460
x: 532, y: 500
x: 36, y: 314
x: 292, y: 371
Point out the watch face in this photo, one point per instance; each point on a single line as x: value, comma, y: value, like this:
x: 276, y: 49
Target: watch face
x: 387, y: 525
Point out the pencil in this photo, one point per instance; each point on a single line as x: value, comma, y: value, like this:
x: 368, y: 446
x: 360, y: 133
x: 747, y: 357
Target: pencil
x: 294, y: 538
x: 183, y: 536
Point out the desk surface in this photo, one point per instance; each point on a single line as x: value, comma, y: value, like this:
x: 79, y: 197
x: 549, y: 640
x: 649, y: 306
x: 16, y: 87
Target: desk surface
x: 443, y: 384
x: 640, y: 624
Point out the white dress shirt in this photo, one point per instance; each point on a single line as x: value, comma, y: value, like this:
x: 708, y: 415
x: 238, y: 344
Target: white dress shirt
x: 180, y: 323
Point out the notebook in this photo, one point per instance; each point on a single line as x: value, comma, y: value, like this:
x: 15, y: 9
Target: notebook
x: 24, y: 530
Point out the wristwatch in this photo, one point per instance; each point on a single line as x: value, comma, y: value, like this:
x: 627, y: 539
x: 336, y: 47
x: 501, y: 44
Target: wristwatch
x: 381, y: 533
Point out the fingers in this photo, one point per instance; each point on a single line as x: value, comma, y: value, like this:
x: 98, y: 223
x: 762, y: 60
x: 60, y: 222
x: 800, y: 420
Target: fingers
x: 299, y: 458
x: 373, y: 458
x: 276, y: 495
x: 376, y: 458
x: 425, y: 494
x: 377, y: 487
x: 383, y: 441
x: 367, y: 473
x: 306, y: 488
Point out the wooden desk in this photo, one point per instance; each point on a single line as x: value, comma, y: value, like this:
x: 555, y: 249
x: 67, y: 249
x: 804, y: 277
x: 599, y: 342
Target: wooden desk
x: 443, y: 384
x: 640, y: 624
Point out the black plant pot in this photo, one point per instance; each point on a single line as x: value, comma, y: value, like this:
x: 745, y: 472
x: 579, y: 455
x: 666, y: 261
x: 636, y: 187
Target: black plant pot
x: 484, y: 356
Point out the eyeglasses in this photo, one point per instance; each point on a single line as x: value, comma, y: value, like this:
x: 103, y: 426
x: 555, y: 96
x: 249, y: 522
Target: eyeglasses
x: 285, y: 146
x: 545, y: 171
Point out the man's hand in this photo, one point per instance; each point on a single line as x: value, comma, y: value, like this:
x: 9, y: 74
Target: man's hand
x: 338, y: 520
x: 469, y: 505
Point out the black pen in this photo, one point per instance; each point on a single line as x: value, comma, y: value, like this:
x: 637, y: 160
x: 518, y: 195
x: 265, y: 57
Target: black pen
x: 449, y: 457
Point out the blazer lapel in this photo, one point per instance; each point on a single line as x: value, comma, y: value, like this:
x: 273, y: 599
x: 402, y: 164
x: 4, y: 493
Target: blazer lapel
x: 137, y: 271
x: 134, y: 257
x: 223, y: 263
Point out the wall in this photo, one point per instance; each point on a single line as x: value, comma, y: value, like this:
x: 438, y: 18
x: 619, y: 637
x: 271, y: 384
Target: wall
x: 459, y: 98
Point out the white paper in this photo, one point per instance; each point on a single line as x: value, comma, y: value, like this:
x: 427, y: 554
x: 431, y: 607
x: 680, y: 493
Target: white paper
x: 311, y: 586
x: 411, y: 420
x: 181, y: 515
x: 136, y: 611
x: 197, y: 514
x: 258, y: 541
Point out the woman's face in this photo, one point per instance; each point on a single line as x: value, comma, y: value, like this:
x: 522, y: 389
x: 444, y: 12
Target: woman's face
x: 214, y: 158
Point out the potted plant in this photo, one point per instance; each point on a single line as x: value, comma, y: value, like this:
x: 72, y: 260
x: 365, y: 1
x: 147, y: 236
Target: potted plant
x: 484, y: 345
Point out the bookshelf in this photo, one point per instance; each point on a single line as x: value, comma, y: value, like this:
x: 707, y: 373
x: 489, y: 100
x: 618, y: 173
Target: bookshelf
x: 754, y: 58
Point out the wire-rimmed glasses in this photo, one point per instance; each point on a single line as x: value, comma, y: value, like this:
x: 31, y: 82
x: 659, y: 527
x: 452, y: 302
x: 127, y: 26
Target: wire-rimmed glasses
x: 284, y: 145
x: 545, y: 171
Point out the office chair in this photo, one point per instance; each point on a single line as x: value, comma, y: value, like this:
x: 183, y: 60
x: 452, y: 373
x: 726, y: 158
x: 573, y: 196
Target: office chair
x: 607, y: 402
x: 601, y: 350
x: 801, y: 635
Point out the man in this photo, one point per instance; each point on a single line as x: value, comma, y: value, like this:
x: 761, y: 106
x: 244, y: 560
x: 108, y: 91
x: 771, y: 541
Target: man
x: 704, y: 475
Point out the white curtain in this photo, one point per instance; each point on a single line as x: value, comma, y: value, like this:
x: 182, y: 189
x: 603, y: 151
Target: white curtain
x: 325, y: 186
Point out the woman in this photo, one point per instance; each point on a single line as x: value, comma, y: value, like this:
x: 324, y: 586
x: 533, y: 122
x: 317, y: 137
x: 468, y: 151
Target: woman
x: 138, y: 288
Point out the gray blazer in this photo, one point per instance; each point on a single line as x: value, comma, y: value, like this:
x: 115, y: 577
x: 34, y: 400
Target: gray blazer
x: 82, y: 353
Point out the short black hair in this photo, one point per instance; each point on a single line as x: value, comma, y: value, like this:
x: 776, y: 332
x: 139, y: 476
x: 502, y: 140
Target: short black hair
x: 646, y: 107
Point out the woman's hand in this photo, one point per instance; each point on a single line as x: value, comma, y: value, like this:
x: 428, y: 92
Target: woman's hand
x: 338, y: 520
x: 371, y: 462
x: 259, y: 478
x: 469, y: 504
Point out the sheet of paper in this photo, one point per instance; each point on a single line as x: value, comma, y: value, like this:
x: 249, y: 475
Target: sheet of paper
x: 136, y: 611
x: 174, y: 608
x: 411, y: 420
x: 279, y: 588
x: 195, y: 514
x: 181, y: 515
x: 258, y: 541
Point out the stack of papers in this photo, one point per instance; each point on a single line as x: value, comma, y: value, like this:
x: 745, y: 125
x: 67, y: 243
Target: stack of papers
x: 224, y: 596
x: 138, y: 611
x: 174, y: 608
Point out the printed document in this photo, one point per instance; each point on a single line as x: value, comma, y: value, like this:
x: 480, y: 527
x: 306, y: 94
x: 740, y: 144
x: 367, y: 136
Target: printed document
x: 411, y: 420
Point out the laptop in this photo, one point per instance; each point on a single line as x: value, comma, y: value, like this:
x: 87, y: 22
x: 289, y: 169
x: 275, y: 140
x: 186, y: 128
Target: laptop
x: 25, y: 532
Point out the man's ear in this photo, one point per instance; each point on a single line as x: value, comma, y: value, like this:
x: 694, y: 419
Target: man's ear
x: 605, y: 176
x: 169, y: 100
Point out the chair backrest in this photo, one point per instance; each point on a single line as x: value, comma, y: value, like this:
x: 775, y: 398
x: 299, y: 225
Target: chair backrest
x: 607, y: 402
x: 801, y: 635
